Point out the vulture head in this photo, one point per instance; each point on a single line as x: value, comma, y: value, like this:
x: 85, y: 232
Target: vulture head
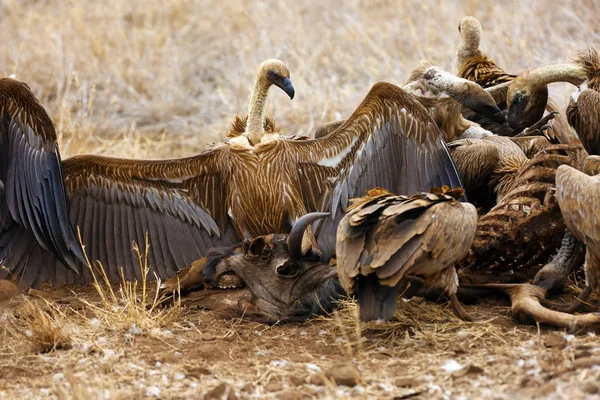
x: 430, y: 80
x: 276, y: 73
x: 526, y: 102
x: 268, y: 278
x: 270, y: 72
x: 470, y: 33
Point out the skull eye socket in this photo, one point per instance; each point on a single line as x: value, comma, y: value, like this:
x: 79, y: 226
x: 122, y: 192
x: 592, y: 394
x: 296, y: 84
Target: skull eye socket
x: 288, y: 269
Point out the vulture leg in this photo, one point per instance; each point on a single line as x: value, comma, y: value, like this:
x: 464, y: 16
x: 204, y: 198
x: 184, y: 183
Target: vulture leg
x: 591, y: 271
x: 447, y: 279
x: 539, y: 127
x: 552, y: 276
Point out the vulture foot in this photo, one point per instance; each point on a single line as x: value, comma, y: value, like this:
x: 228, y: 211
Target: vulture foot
x: 539, y: 127
x: 572, y: 306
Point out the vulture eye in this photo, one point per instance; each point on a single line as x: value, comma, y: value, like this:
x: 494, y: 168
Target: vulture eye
x: 288, y: 269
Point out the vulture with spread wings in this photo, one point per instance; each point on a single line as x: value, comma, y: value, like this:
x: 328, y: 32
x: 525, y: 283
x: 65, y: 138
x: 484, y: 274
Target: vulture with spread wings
x: 255, y: 183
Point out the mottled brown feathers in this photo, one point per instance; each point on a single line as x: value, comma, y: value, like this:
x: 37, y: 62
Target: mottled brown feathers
x: 589, y: 59
x: 385, y: 237
x: 235, y: 190
x: 17, y: 100
x: 238, y: 126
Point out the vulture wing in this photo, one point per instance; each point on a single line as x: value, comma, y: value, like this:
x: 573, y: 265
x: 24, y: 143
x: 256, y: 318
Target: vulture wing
x: 113, y: 202
x: 389, y: 141
x: 391, y: 236
x: 33, y: 202
x: 578, y: 196
x: 582, y: 114
x: 476, y: 160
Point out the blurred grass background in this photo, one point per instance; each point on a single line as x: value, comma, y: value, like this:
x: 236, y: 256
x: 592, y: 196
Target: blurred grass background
x: 155, y: 78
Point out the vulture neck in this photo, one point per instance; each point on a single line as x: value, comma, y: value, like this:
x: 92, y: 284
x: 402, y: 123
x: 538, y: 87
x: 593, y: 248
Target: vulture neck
x: 567, y: 72
x: 256, y: 110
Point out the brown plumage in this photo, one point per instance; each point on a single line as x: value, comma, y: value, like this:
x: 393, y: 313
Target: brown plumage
x: 384, y: 237
x: 488, y: 167
x: 582, y: 112
x: 256, y: 183
x: 578, y: 195
x: 444, y: 95
x: 33, y: 197
x: 525, y: 229
x: 473, y: 64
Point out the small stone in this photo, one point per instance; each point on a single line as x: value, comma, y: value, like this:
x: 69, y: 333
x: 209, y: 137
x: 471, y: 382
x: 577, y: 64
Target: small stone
x: 218, y: 393
x: 406, y: 382
x: 152, y: 391
x: 468, y: 370
x: 290, y: 394
x: 589, y: 387
x: 344, y: 374
x: 554, y: 340
x: 198, y: 371
x: 586, y: 362
x: 297, y: 380
x: 273, y: 386
x: 316, y: 379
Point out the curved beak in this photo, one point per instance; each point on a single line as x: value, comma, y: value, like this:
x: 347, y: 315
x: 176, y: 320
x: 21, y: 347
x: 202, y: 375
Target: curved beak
x: 524, y: 111
x: 465, y: 92
x: 286, y: 86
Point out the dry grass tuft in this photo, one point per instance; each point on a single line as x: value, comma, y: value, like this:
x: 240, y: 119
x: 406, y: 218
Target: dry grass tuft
x: 41, y: 324
x: 131, y: 308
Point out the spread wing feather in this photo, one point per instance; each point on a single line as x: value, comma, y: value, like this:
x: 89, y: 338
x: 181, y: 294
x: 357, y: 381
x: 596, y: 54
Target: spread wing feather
x: 34, y: 195
x: 390, y: 141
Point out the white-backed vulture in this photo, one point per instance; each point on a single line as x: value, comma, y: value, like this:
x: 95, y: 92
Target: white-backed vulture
x: 473, y: 64
x: 230, y: 191
x: 488, y: 167
x: 444, y: 95
x: 384, y: 237
x: 582, y: 112
x: 578, y: 195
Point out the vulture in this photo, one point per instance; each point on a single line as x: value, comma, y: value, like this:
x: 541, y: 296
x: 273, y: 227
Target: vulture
x: 256, y: 183
x: 473, y: 64
x: 385, y: 237
x: 488, y: 167
x: 582, y: 112
x: 578, y: 195
x: 444, y: 95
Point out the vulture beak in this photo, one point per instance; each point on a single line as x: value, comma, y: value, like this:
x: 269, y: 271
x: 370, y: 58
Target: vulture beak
x: 286, y: 86
x: 482, y: 105
x: 465, y: 92
x: 525, y: 110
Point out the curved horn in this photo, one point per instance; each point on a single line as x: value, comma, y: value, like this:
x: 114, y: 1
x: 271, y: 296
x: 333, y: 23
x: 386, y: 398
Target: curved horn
x: 294, y: 241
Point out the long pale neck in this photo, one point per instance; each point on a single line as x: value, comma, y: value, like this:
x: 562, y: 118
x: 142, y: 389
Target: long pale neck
x: 567, y: 72
x: 256, y: 110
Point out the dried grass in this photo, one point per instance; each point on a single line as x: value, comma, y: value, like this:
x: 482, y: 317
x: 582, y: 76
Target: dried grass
x: 131, y: 308
x: 155, y: 79
x: 41, y: 324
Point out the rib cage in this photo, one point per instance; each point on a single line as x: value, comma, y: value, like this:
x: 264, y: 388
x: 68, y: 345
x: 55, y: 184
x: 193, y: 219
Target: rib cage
x: 525, y: 229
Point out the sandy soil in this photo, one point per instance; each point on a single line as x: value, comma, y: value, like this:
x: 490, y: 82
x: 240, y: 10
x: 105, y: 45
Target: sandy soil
x: 424, y: 353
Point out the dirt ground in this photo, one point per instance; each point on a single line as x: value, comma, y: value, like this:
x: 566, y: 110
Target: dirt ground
x: 73, y: 345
